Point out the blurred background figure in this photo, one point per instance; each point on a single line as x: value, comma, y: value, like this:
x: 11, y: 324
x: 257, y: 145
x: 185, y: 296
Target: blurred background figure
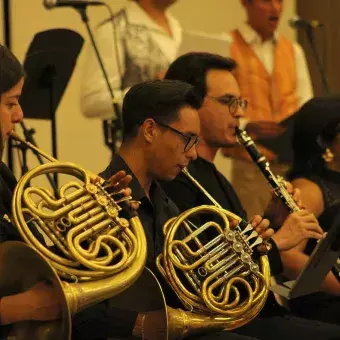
x: 136, y: 45
x: 316, y: 172
x: 316, y: 143
x: 274, y: 79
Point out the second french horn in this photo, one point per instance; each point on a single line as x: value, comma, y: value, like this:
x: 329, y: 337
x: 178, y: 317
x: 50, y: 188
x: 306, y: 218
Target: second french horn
x: 213, y: 270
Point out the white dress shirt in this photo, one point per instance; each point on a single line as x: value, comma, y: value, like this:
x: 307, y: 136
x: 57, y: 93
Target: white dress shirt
x: 135, y: 51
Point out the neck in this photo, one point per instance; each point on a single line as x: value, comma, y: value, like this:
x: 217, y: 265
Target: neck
x: 154, y: 11
x: 206, y: 151
x: 157, y: 14
x: 264, y: 35
x: 136, y: 162
x: 335, y: 166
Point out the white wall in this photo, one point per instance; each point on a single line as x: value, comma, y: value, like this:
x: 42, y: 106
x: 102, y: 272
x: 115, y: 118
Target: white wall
x: 80, y: 139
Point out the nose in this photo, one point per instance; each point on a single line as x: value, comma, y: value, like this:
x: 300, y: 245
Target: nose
x: 17, y: 115
x: 192, y: 153
x: 277, y: 6
x: 239, y: 113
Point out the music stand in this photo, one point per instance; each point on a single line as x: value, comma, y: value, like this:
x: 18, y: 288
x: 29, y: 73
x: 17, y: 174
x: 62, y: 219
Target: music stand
x: 321, y: 261
x: 49, y: 64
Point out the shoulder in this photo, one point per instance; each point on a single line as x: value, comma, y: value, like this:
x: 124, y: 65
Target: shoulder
x: 117, y: 163
x: 311, y: 194
x: 8, y: 176
x: 116, y: 18
x: 306, y: 184
x: 298, y: 50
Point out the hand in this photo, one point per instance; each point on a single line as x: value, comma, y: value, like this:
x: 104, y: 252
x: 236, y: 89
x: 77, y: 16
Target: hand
x: 119, y: 184
x: 298, y: 227
x: 277, y: 211
x: 151, y: 325
x: 39, y: 303
x: 264, y: 129
x: 261, y: 226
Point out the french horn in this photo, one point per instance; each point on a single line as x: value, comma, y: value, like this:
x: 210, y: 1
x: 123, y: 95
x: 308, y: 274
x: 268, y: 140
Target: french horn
x: 220, y: 279
x: 90, y: 245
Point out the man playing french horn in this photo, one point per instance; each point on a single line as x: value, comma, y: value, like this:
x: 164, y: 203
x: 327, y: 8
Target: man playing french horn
x: 154, y: 113
x: 161, y: 134
x: 40, y: 302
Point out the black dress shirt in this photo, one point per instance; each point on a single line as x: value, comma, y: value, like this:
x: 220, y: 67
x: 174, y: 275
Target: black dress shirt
x: 7, y: 184
x: 104, y: 320
x: 7, y: 230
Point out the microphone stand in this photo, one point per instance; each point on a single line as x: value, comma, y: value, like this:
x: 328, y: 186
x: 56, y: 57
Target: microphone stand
x: 311, y: 39
x: 28, y: 133
x: 112, y: 128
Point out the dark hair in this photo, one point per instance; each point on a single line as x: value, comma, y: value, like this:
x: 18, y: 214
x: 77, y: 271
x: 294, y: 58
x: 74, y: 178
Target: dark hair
x: 11, y: 71
x: 316, y: 125
x: 157, y: 99
x: 192, y: 68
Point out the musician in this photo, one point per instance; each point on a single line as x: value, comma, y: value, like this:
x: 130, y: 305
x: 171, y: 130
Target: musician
x: 212, y: 78
x: 161, y: 128
x: 39, y: 302
x: 316, y: 172
x: 137, y: 44
x: 273, y: 77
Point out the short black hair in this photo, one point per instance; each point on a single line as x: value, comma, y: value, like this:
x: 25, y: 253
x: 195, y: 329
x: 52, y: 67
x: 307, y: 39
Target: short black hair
x: 157, y: 99
x: 192, y: 68
x: 11, y: 70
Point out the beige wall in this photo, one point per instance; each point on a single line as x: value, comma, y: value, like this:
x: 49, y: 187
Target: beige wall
x: 1, y: 22
x: 80, y: 139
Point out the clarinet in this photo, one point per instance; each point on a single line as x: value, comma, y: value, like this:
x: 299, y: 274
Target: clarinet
x: 275, y: 182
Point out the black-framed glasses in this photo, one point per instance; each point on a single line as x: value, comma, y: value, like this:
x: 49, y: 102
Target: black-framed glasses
x: 191, y: 140
x: 232, y: 102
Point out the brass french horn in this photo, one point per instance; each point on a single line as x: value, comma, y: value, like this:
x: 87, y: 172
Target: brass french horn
x: 220, y: 281
x: 82, y: 236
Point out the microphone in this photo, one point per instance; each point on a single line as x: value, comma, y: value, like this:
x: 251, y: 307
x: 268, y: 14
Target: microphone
x: 297, y: 22
x: 50, y: 4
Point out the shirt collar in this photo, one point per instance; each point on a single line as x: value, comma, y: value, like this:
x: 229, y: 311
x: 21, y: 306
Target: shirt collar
x: 138, y: 193
x: 118, y: 163
x: 251, y: 36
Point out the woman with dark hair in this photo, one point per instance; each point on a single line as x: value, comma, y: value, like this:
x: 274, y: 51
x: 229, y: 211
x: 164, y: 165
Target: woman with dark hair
x: 40, y: 301
x: 316, y: 172
x: 316, y: 144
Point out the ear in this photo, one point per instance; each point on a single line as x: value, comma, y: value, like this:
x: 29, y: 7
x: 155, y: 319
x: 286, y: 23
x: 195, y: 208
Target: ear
x: 149, y: 130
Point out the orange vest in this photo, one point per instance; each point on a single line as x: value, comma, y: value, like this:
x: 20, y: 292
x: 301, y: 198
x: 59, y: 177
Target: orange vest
x: 270, y: 97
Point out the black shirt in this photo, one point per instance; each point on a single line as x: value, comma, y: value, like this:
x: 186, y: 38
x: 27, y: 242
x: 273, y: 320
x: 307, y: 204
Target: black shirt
x: 104, y: 319
x: 7, y: 184
x: 153, y: 213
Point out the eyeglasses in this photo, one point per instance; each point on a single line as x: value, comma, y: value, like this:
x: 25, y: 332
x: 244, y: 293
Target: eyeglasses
x: 191, y: 140
x: 232, y: 101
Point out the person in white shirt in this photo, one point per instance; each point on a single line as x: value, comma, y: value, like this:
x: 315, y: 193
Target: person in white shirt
x: 136, y: 45
x: 274, y: 79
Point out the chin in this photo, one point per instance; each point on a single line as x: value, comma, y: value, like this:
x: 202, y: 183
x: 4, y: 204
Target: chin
x: 230, y: 142
x: 168, y: 177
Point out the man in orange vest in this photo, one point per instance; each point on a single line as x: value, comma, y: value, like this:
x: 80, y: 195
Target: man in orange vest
x: 273, y: 77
